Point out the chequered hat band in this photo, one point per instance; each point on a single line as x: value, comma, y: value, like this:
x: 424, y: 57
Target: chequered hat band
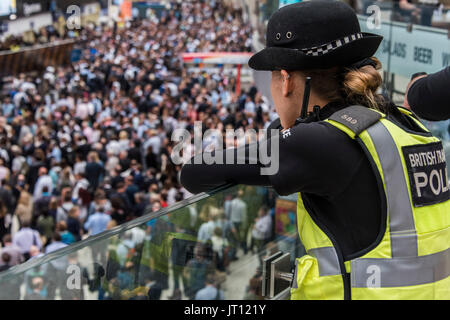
x: 325, y: 48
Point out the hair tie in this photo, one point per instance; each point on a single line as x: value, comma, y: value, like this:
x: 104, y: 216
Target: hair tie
x: 362, y: 63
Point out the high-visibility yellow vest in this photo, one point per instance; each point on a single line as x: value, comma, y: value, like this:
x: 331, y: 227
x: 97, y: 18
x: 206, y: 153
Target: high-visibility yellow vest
x: 157, y: 255
x: 411, y: 260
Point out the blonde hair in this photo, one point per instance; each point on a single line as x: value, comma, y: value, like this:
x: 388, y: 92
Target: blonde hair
x: 111, y: 224
x: 61, y: 226
x: 24, y: 199
x: 361, y: 85
x: 123, y: 135
x: 73, y: 211
x: 354, y: 86
x: 53, y: 204
x: 93, y: 156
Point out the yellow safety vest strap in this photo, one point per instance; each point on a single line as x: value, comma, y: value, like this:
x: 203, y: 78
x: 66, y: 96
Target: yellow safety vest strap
x: 403, y: 236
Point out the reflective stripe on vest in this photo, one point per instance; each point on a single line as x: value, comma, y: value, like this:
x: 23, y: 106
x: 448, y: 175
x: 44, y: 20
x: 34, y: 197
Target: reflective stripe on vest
x: 405, y: 268
x: 401, y: 219
x: 327, y: 259
x: 400, y: 272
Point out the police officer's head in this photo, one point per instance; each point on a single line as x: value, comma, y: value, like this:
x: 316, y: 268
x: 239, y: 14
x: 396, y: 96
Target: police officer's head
x: 321, y: 39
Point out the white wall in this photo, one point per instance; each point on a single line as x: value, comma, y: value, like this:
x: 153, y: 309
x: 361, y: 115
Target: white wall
x: 22, y: 25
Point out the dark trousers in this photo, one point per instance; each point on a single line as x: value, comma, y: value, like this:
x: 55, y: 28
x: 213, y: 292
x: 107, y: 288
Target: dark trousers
x: 242, y: 239
x: 177, y: 273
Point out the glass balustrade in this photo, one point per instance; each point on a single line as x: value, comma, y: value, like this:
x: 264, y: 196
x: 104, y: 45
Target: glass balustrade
x: 186, y: 251
x: 209, y: 241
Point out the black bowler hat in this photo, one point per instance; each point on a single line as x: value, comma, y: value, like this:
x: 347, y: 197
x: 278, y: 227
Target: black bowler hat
x: 316, y: 34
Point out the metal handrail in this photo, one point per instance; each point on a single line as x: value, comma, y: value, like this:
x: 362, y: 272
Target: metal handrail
x: 38, y: 47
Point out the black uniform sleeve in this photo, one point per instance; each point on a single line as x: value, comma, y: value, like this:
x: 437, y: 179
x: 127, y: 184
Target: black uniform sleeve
x: 316, y: 158
x: 312, y: 157
x: 429, y: 97
x: 198, y: 176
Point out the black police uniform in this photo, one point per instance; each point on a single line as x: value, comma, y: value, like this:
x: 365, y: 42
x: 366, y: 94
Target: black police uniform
x: 323, y: 163
x: 429, y: 97
x: 315, y: 158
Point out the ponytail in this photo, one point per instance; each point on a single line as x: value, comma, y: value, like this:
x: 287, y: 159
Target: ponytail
x: 360, y: 86
x: 353, y: 86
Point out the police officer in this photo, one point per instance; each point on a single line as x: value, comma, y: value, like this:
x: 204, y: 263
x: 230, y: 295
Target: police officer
x: 428, y: 95
x: 373, y: 194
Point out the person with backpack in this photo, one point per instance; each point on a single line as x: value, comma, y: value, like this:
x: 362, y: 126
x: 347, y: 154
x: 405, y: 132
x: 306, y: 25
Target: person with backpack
x: 74, y: 224
x: 62, y: 212
x: 25, y: 238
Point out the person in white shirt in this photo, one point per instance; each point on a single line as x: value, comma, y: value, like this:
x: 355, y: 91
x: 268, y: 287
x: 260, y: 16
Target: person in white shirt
x: 154, y: 141
x: 44, y: 180
x: 206, y: 230
x: 79, y: 166
x: 16, y: 256
x: 25, y: 238
x: 62, y: 212
x: 18, y: 159
x: 211, y: 291
x: 262, y: 229
x: 84, y: 109
x: 57, y: 267
x: 250, y: 107
x: 238, y: 216
x: 220, y: 248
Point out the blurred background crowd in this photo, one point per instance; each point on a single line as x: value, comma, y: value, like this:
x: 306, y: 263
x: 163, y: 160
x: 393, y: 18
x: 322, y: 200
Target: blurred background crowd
x: 188, y: 253
x: 86, y: 147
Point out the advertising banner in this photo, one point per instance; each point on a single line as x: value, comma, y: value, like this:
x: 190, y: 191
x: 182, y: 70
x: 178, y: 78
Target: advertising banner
x: 26, y: 8
x: 285, y: 217
x: 406, y: 51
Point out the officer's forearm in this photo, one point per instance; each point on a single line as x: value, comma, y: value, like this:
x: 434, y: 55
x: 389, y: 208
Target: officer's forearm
x: 227, y: 166
x: 429, y: 97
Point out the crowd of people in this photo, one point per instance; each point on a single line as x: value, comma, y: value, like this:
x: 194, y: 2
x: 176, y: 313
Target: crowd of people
x: 86, y: 147
x: 186, y: 254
